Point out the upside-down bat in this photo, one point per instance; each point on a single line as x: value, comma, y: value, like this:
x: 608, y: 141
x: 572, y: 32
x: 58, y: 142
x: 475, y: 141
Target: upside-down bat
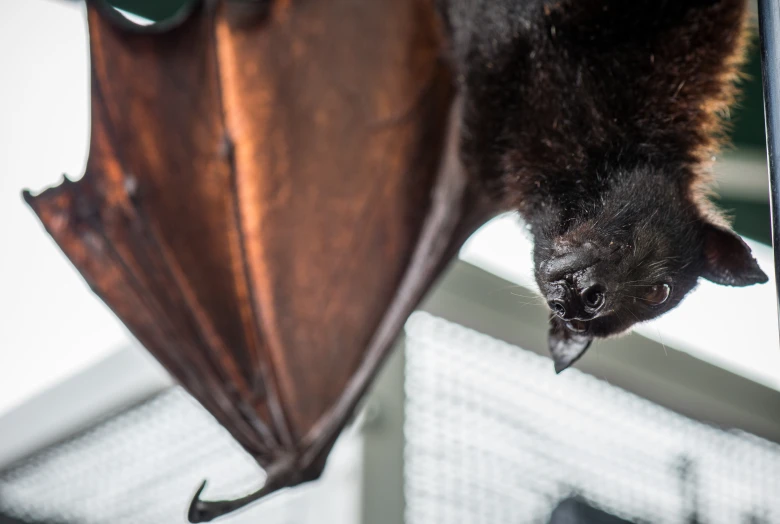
x: 597, y: 120
x: 272, y: 186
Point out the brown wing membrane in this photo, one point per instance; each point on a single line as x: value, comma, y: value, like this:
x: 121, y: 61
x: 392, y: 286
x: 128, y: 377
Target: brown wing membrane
x: 265, y: 202
x: 152, y: 223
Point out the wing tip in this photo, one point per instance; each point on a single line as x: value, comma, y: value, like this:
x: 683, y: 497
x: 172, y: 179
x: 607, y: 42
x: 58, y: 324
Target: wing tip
x: 30, y: 197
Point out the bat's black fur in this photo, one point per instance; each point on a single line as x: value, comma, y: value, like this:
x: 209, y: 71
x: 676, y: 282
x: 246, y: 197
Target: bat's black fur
x: 597, y: 121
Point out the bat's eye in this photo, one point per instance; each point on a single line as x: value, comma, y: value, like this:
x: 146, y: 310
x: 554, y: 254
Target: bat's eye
x: 657, y: 294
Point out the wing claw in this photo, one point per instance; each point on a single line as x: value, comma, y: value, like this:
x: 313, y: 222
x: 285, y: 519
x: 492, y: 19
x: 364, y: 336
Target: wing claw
x: 208, y: 510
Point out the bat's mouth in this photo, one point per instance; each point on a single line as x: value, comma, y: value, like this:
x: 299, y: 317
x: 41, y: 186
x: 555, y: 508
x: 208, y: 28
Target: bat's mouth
x: 578, y: 326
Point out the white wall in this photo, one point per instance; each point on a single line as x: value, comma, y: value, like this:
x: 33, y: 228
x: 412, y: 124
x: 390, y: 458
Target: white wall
x: 51, y: 325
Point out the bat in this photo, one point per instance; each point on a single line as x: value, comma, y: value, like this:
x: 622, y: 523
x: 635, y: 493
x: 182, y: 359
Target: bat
x: 597, y: 120
x: 272, y: 187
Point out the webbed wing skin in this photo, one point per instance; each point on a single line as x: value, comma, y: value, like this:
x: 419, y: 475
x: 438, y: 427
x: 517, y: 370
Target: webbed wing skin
x: 265, y: 202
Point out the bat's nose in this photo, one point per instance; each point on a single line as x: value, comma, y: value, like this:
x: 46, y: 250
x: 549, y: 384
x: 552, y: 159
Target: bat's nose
x: 560, y: 298
x: 570, y: 304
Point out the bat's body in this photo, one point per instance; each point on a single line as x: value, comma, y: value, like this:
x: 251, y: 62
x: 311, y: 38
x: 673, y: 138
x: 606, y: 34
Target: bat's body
x: 596, y: 120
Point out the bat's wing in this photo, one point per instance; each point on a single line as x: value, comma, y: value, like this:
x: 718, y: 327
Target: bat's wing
x: 265, y: 202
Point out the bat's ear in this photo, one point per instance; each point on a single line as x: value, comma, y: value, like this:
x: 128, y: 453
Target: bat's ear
x: 566, y: 346
x: 728, y: 260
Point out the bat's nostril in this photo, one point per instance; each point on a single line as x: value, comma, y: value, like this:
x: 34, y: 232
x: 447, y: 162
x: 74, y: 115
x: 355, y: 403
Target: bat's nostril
x: 558, y: 307
x: 593, y: 297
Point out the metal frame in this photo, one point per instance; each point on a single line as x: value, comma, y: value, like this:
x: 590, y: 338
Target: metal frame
x: 769, y: 29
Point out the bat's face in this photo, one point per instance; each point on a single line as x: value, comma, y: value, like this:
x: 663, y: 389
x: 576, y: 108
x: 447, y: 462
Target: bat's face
x: 603, y: 273
x: 600, y: 287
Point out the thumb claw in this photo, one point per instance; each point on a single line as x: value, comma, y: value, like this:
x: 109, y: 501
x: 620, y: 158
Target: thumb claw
x: 198, y: 511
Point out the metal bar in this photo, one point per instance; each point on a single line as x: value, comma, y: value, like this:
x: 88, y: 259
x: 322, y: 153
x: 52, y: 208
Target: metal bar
x: 769, y: 31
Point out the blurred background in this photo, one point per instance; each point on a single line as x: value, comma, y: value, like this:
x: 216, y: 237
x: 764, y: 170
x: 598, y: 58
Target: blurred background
x: 678, y: 422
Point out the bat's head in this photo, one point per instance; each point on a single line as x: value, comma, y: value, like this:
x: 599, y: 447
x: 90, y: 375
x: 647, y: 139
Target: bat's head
x: 627, y: 257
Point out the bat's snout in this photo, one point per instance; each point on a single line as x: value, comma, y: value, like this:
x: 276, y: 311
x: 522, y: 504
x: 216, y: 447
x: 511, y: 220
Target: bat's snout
x: 573, y: 302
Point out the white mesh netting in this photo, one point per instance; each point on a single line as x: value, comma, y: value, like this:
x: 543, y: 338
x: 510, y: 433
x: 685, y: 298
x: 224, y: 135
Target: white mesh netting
x: 494, y: 436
